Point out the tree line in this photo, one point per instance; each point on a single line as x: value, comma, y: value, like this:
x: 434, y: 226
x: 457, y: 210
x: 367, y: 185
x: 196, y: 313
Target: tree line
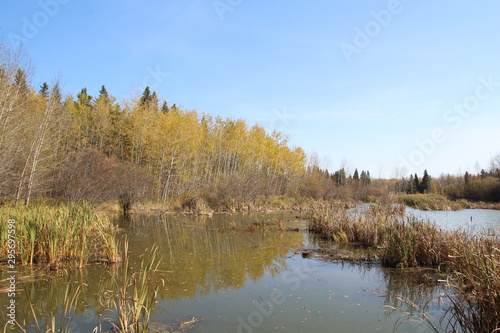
x: 482, y: 186
x: 96, y: 149
x: 93, y: 148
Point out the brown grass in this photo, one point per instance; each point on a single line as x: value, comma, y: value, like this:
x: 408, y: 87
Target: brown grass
x: 472, y: 261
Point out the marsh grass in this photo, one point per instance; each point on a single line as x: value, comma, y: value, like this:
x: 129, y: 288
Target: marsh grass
x: 476, y: 285
x: 72, y: 234
x: 134, y: 297
x: 470, y: 260
x: 432, y: 202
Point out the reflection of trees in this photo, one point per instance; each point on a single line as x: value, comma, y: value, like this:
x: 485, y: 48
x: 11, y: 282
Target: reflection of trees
x: 46, y: 291
x: 198, y: 256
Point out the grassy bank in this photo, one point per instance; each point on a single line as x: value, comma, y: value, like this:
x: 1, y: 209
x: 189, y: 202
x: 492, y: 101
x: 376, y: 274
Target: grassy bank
x: 440, y: 202
x: 471, y: 261
x: 198, y: 205
x: 431, y: 202
x: 55, y: 235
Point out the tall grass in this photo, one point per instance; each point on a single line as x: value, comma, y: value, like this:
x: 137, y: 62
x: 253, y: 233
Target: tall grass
x: 135, y: 295
x: 432, y: 202
x: 72, y: 233
x: 471, y: 261
x: 476, y: 285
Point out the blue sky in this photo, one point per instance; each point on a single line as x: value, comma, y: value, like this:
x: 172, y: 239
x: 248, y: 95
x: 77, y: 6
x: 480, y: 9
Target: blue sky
x: 393, y: 87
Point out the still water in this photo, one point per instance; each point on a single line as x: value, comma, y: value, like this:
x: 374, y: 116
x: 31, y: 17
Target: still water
x: 475, y: 220
x: 240, y: 273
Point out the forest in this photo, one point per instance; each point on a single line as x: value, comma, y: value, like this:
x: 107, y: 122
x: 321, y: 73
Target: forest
x: 145, y: 149
x: 95, y: 149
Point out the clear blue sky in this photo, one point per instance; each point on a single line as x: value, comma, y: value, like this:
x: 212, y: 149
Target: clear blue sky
x: 354, y: 81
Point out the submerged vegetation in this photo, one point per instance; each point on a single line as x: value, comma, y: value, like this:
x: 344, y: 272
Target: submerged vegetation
x: 62, y: 234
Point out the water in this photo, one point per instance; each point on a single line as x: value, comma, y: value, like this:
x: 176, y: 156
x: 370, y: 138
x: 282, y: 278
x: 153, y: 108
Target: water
x: 244, y: 280
x: 478, y: 220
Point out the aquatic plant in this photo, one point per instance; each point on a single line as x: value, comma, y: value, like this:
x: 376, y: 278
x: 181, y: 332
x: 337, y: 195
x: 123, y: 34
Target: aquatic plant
x: 472, y: 261
x: 73, y: 234
x: 432, y: 202
x: 134, y: 298
x: 476, y: 285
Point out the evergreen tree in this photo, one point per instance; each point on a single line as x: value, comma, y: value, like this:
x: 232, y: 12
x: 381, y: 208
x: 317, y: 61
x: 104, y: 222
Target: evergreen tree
x: 44, y: 90
x: 84, y: 99
x: 146, y: 96
x: 356, y: 175
x: 165, y: 108
x: 365, y: 178
x: 103, y: 92
x: 416, y: 186
x: 340, y: 177
x: 425, y: 184
x: 149, y: 99
x: 467, y: 178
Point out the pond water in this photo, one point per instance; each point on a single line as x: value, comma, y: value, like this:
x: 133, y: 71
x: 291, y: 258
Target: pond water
x: 236, y: 273
x: 480, y: 220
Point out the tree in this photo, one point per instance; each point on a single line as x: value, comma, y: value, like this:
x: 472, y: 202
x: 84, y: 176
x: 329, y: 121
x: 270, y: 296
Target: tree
x: 411, y: 189
x: 356, y: 175
x: 149, y: 99
x: 416, y: 184
x: 365, y: 178
x: 340, y: 177
x: 44, y: 90
x: 467, y: 178
x: 45, y: 141
x: 425, y: 185
x: 165, y: 108
x: 103, y: 92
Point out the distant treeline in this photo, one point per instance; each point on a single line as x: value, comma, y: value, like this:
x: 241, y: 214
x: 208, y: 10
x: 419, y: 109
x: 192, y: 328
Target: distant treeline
x: 484, y: 186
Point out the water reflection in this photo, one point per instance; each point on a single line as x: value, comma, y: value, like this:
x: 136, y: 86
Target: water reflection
x: 200, y: 255
x: 231, y: 278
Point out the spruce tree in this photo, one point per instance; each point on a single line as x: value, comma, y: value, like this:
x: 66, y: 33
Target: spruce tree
x: 425, y: 185
x: 103, y: 92
x: 416, y: 186
x: 44, y: 90
x: 356, y: 175
x: 165, y: 108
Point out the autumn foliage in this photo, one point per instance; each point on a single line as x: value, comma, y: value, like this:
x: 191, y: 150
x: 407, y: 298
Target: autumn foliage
x: 93, y: 148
